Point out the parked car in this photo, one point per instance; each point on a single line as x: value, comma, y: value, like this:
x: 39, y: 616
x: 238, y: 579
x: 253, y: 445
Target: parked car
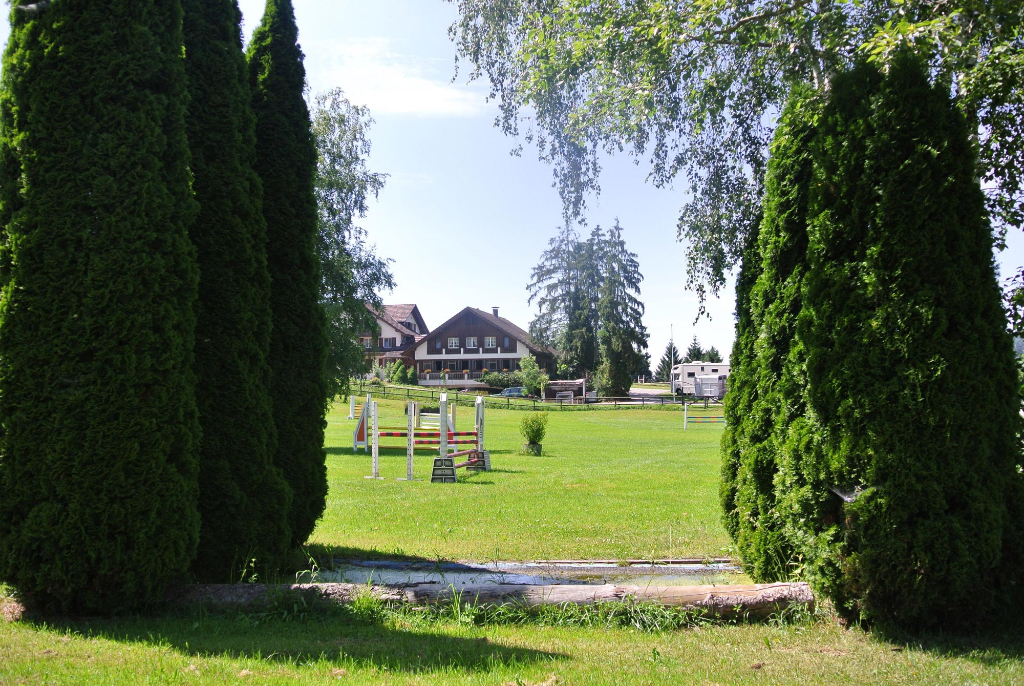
x: 512, y: 392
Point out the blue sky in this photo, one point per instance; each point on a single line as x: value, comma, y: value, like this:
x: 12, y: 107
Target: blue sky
x: 463, y: 220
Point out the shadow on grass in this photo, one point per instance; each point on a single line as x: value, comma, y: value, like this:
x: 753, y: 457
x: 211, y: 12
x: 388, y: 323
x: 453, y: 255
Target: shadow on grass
x: 337, y: 638
x: 1002, y: 641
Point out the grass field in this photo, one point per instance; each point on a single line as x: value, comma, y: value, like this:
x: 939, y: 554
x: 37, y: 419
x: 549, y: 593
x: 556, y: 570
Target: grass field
x: 612, y: 484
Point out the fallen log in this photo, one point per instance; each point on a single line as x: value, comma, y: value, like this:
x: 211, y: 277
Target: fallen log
x: 754, y: 600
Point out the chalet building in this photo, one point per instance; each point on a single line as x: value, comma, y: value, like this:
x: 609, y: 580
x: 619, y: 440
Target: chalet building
x: 401, y: 327
x: 474, y: 341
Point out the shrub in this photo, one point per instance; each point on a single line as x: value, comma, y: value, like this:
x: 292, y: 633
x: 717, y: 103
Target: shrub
x: 98, y: 463
x: 533, y: 426
x: 502, y: 380
x: 286, y: 162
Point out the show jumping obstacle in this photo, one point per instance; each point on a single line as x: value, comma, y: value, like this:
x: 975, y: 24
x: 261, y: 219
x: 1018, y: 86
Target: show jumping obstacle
x: 369, y: 431
x: 701, y: 419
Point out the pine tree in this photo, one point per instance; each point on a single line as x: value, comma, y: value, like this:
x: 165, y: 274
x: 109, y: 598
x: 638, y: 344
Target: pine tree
x: 243, y: 499
x: 694, y: 353
x: 286, y: 161
x: 712, y: 355
x: 669, y: 359
x: 622, y: 335
x: 903, y: 511
x: 98, y: 466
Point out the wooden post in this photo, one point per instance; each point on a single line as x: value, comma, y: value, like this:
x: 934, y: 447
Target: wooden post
x: 442, y: 425
x: 410, y: 444
x: 375, y: 459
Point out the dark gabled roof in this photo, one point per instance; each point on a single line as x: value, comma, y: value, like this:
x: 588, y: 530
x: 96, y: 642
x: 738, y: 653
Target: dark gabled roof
x: 502, y: 324
x: 402, y: 313
x: 391, y: 321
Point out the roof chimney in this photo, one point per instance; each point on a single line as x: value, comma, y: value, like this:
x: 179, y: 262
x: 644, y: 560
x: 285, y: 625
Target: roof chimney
x: 495, y: 310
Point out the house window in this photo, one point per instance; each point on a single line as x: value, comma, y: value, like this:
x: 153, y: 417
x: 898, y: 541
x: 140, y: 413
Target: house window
x: 505, y: 365
x: 470, y: 341
x: 507, y: 342
x: 491, y: 342
x: 453, y: 342
x: 437, y: 343
x: 492, y: 365
x: 389, y: 342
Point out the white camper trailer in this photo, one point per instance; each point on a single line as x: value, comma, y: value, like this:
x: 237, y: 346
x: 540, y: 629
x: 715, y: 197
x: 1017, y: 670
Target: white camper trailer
x: 685, y: 375
x: 710, y: 386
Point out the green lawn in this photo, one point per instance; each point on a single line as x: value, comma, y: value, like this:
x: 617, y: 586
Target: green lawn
x: 612, y: 484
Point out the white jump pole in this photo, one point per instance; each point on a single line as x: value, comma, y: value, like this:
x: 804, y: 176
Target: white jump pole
x: 684, y: 415
x: 375, y: 459
x: 351, y: 407
x: 442, y: 429
x: 479, y: 423
x: 410, y: 444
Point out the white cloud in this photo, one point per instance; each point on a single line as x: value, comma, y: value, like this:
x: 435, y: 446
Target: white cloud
x: 372, y: 73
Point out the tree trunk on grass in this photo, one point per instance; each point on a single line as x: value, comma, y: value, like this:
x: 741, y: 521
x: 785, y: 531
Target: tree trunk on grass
x: 747, y: 600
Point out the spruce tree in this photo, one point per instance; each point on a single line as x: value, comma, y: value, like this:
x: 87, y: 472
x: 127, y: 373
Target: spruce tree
x: 904, y: 515
x: 622, y: 335
x: 694, y: 353
x: 98, y: 448
x: 243, y: 499
x: 286, y: 161
x: 669, y: 359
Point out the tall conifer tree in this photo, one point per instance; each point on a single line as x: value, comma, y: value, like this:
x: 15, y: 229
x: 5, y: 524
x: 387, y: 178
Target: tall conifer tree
x: 99, y: 428
x: 622, y: 335
x: 286, y: 162
x: 243, y: 499
x: 774, y: 300
x: 904, y: 515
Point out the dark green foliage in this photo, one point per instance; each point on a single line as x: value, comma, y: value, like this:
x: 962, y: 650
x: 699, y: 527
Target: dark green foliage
x: 243, y: 499
x: 901, y: 493
x: 622, y: 335
x: 669, y: 359
x: 738, y: 400
x: 772, y: 401
x: 694, y: 353
x: 286, y: 161
x: 99, y: 435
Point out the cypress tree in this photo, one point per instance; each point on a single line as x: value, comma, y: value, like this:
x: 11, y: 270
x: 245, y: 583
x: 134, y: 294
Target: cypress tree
x: 286, y: 162
x: 904, y: 516
x: 99, y: 428
x: 738, y: 400
x: 243, y: 499
x: 773, y: 398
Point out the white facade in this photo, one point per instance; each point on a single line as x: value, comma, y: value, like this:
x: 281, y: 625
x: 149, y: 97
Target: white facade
x: 684, y: 375
x: 469, y: 379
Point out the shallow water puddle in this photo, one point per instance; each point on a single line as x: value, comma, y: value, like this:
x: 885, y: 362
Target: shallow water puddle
x: 394, y: 573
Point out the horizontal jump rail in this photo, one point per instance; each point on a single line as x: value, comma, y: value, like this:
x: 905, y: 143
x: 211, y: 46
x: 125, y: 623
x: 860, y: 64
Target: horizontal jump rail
x: 391, y: 433
x: 433, y: 442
